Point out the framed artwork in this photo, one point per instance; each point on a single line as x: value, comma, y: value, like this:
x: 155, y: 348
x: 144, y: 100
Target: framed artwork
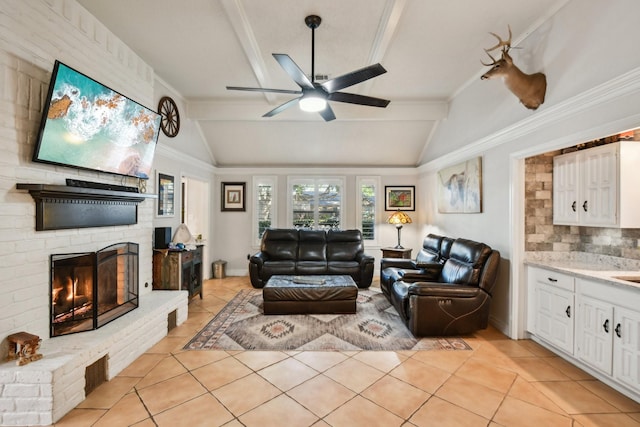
x: 400, y: 198
x: 166, y: 195
x: 233, y: 197
x: 460, y: 187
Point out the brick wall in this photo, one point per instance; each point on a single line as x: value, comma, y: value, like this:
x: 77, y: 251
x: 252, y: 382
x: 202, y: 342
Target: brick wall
x: 542, y: 235
x: 34, y: 33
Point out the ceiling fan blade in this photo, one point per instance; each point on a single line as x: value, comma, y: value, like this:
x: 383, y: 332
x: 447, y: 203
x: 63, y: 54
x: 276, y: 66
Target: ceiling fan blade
x: 353, y: 78
x: 259, y: 89
x: 327, y: 114
x: 353, y: 98
x: 282, y: 107
x: 293, y: 70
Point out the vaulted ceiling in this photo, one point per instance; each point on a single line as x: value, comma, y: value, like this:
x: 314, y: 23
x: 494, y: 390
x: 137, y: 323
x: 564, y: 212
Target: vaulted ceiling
x: 431, y: 50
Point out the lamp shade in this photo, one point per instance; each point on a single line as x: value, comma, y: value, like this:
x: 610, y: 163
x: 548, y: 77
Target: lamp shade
x: 399, y: 218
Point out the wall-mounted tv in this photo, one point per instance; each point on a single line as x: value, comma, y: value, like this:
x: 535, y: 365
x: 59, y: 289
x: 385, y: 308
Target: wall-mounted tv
x: 87, y: 125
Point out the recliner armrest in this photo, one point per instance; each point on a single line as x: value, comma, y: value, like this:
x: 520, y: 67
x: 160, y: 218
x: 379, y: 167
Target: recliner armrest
x: 434, y: 289
x: 363, y: 258
x: 407, y: 264
x: 258, y: 258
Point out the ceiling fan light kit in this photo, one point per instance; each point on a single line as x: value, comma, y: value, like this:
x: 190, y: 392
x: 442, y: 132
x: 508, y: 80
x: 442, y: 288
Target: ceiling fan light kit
x: 314, y: 96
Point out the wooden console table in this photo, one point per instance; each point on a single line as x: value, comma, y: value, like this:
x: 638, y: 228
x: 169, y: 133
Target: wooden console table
x: 178, y: 270
x: 396, y: 253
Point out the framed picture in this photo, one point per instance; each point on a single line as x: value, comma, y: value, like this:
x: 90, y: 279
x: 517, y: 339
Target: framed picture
x: 166, y: 195
x: 460, y: 187
x: 233, y: 196
x: 400, y: 198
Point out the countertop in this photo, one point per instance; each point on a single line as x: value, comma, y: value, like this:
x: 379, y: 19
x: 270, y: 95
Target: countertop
x: 601, y: 268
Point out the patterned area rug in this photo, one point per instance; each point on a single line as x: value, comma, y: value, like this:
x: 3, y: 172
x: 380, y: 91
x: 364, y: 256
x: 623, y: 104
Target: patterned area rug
x: 376, y: 326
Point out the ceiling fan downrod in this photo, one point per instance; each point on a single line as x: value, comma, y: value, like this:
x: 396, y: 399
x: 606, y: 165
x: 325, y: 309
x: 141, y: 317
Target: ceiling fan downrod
x: 313, y: 22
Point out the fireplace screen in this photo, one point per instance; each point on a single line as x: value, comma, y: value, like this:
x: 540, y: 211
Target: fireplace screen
x: 88, y: 290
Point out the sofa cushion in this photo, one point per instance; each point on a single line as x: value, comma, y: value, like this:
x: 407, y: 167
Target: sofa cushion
x: 466, y: 259
x: 280, y: 244
x: 312, y: 246
x: 272, y: 268
x: 311, y: 267
x: 430, y: 251
x: 344, y: 245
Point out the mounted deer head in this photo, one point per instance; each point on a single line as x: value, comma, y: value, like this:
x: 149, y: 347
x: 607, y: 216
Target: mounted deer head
x: 529, y: 88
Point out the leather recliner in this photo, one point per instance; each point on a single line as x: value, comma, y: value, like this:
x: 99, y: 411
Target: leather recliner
x: 458, y: 301
x: 426, y: 267
x: 311, y: 252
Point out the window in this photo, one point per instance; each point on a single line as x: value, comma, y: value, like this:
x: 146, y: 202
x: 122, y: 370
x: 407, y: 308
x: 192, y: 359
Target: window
x: 367, y: 191
x: 264, y: 211
x: 316, y: 202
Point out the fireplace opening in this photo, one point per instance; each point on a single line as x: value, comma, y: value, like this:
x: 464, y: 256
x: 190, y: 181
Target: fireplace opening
x: 88, y: 290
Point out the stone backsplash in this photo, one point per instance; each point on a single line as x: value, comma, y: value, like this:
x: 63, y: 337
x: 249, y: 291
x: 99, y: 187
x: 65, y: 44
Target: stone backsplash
x: 542, y: 235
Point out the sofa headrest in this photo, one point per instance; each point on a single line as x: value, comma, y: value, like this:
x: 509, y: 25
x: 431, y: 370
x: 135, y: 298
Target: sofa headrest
x: 313, y: 236
x: 280, y: 244
x: 344, y: 236
x: 430, y: 251
x: 466, y: 261
x: 290, y: 234
x: 445, y: 248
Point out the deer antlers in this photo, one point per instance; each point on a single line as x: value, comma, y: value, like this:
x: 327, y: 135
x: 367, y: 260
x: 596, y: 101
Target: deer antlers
x: 504, y: 44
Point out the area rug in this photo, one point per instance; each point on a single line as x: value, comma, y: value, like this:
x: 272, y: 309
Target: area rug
x: 376, y: 326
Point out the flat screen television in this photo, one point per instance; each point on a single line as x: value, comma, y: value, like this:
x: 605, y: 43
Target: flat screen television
x: 87, y: 125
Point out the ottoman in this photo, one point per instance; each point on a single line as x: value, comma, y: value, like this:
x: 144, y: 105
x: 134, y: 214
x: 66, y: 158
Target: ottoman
x: 310, y: 295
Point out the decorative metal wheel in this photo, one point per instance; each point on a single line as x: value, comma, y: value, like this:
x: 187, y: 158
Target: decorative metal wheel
x: 170, y: 122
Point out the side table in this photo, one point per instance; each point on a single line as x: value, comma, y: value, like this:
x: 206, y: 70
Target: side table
x: 396, y: 253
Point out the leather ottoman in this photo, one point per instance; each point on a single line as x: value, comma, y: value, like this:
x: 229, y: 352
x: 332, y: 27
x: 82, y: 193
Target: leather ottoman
x: 310, y: 295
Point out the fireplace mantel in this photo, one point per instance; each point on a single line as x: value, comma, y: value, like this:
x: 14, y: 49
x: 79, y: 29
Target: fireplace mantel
x: 62, y: 207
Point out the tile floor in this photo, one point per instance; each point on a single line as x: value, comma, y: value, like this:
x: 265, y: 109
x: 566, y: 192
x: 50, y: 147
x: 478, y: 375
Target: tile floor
x: 499, y: 383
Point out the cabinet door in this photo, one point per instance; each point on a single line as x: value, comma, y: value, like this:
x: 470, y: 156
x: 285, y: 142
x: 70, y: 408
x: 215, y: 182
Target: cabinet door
x: 594, y: 333
x: 565, y: 189
x: 554, y: 316
x: 626, y: 347
x: 598, y: 194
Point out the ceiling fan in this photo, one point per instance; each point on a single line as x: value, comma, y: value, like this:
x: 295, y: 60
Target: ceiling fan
x: 313, y: 95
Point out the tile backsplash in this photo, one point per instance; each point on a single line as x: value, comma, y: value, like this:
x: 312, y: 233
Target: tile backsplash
x: 542, y: 235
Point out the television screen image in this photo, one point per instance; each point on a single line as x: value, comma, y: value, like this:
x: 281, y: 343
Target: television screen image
x: 90, y: 126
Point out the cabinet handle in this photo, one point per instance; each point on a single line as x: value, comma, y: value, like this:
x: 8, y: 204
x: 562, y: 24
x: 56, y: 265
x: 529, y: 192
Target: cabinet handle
x: 585, y: 206
x: 551, y: 279
x: 618, y: 327
x: 606, y: 326
x: 573, y: 205
x: 568, y: 311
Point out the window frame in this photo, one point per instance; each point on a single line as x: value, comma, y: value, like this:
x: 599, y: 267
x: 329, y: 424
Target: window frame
x: 316, y: 181
x: 258, y: 181
x: 375, y: 181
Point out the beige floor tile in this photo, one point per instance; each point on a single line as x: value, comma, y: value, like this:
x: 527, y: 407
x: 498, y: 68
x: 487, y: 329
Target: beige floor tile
x: 287, y: 374
x: 525, y: 391
x: 446, y: 360
x: 168, y: 345
x: 80, y: 418
x: 203, y: 411
x: 184, y: 330
x: 167, y: 368
x: 218, y: 374
x: 360, y: 412
x: 245, y: 394
x: 571, y: 371
x: 472, y: 396
x: 381, y: 360
x: 257, y: 360
x: 396, y: 396
x: 516, y: 413
x: 321, y: 360
x: 145, y: 423
x: 354, y: 374
x: 321, y: 395
x: 439, y: 413
x: 425, y: 377
x: 537, y: 349
x: 535, y: 369
x: 573, y: 398
x: 606, y: 420
x: 129, y: 410
x: 142, y: 365
x: 281, y: 411
x: 321, y: 423
x: 491, y: 376
x: 170, y: 393
x: 615, y: 398
x: 197, y: 358
x: 107, y: 394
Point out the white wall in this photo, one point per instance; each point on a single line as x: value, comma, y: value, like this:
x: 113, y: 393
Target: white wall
x: 588, y: 52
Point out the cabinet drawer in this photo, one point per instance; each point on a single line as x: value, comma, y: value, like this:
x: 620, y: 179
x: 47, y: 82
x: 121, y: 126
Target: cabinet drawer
x: 186, y: 256
x: 560, y: 280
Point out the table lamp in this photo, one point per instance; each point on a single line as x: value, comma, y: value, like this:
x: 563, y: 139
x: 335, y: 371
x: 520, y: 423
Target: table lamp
x: 399, y: 218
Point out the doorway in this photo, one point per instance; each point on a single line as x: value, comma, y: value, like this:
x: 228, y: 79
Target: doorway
x: 195, y: 213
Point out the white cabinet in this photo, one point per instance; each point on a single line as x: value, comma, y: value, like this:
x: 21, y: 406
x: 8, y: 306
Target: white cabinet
x: 607, y: 330
x: 552, y: 308
x: 598, y: 186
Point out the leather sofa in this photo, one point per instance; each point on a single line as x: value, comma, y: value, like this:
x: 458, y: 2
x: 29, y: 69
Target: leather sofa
x: 311, y: 252
x: 453, y: 297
